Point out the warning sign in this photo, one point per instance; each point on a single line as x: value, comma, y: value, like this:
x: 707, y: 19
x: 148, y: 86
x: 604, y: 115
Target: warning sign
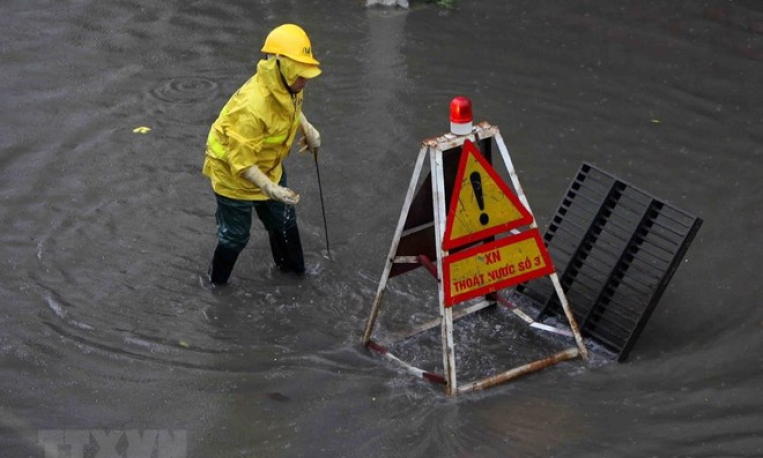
x: 482, y: 204
x: 496, y: 265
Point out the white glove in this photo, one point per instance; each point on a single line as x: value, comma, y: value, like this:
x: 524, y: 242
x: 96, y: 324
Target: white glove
x: 272, y: 190
x: 311, y: 139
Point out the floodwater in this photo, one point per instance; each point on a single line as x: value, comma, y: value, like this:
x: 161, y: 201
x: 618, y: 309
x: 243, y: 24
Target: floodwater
x: 106, y: 233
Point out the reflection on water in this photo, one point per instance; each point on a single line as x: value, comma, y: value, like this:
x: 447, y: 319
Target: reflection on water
x: 107, y: 232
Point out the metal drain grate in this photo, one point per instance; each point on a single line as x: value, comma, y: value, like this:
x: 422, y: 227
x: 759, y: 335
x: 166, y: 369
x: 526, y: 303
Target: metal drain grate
x: 615, y: 248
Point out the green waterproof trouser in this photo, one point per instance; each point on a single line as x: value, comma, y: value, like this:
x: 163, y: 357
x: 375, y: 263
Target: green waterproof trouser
x: 234, y: 219
x: 234, y: 222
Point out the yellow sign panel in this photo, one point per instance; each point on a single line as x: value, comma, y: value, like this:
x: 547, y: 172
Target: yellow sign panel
x: 482, y: 204
x: 492, y: 266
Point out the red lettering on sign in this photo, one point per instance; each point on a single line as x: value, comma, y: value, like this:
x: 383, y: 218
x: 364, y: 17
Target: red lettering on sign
x: 493, y: 257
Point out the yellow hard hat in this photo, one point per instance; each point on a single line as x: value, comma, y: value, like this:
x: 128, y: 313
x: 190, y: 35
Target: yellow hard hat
x: 291, y: 41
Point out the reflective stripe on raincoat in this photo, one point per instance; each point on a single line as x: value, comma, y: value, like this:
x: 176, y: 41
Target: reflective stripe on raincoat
x: 256, y: 127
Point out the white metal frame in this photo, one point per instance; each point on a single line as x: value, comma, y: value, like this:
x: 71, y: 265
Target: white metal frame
x: 434, y: 148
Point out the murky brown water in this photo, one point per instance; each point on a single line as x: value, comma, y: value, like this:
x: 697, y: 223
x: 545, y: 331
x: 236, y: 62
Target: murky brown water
x: 106, y: 232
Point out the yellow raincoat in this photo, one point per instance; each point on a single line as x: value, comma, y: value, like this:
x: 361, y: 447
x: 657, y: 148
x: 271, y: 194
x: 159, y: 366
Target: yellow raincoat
x: 256, y: 127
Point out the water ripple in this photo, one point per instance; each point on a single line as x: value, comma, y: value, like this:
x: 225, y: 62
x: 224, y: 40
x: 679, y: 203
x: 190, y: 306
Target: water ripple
x: 185, y: 90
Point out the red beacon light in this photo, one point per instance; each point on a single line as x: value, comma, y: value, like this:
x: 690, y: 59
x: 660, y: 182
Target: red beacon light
x: 461, y: 116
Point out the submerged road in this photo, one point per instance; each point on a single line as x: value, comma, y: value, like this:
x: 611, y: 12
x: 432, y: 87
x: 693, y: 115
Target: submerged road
x: 109, y: 341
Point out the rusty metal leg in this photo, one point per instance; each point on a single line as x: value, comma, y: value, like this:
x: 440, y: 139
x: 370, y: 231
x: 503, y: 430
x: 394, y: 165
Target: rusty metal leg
x: 377, y: 303
x: 535, y: 366
x: 570, y: 317
x: 446, y: 313
x: 393, y: 248
x: 449, y: 352
x: 554, y: 277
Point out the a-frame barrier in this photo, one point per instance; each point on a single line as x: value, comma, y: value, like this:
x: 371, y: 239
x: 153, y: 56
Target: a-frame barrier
x: 450, y: 229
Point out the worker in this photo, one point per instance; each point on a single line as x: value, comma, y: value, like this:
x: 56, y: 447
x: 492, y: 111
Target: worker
x: 246, y: 147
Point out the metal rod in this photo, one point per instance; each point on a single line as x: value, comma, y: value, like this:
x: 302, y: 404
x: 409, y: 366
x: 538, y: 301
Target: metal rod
x: 323, y: 207
x: 519, y: 371
x: 446, y: 313
x: 411, y: 369
x: 583, y: 353
x: 429, y: 324
x: 570, y: 317
x: 393, y: 246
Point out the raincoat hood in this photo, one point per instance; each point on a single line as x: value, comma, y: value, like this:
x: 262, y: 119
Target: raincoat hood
x: 269, y: 78
x: 272, y: 68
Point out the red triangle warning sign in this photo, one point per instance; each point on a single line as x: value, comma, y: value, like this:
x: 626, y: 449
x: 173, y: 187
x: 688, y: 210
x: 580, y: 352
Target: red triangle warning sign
x: 482, y: 204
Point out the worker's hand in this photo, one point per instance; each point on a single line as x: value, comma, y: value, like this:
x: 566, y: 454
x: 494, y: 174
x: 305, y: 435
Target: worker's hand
x: 281, y: 194
x: 270, y: 189
x: 311, y: 139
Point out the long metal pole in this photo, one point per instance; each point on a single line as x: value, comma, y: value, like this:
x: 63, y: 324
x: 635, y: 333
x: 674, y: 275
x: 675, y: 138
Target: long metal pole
x: 554, y: 277
x: 446, y: 313
x: 323, y: 206
x: 521, y: 370
x: 393, y: 246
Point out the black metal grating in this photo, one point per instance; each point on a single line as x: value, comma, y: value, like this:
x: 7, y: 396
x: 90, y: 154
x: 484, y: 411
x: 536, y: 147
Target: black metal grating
x: 615, y: 249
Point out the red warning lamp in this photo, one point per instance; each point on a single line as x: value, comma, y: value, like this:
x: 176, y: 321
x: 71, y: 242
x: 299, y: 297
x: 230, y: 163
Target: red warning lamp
x: 461, y: 116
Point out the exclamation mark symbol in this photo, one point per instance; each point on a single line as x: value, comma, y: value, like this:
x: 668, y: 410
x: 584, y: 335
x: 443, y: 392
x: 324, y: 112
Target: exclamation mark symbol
x: 476, y: 180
